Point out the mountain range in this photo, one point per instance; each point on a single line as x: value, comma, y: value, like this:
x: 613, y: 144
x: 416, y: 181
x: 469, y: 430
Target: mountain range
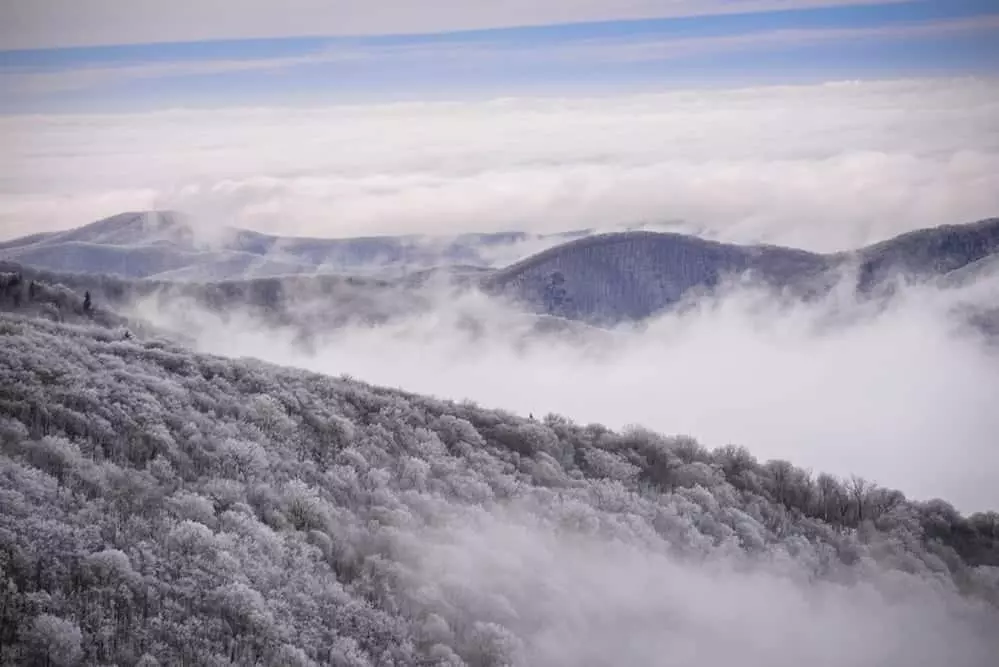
x: 591, y: 278
x: 166, y: 245
x: 161, y: 506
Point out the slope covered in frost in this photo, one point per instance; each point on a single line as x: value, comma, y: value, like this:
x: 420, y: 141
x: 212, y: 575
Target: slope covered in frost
x: 163, y: 507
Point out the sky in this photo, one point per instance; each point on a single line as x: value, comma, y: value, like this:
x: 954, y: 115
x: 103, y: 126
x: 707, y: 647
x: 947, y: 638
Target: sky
x: 746, y: 119
x: 104, y: 55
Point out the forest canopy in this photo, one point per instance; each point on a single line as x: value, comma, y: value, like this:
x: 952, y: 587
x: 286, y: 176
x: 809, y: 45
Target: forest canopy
x: 166, y: 507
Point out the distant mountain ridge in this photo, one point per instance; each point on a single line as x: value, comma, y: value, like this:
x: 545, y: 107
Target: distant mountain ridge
x: 164, y: 244
x: 632, y: 275
x: 593, y: 278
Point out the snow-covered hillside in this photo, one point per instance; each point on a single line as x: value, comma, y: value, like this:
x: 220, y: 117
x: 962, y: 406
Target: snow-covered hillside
x: 164, y: 507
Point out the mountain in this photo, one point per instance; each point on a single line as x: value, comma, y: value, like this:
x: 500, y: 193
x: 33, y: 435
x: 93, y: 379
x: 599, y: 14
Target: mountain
x: 982, y: 269
x: 166, y: 245
x: 630, y: 276
x: 598, y: 279
x: 308, y: 306
x: 926, y: 253
x: 162, y: 507
x: 308, y: 303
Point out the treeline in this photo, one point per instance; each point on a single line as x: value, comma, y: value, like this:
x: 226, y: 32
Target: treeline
x: 165, y: 507
x: 24, y: 294
x: 309, y: 302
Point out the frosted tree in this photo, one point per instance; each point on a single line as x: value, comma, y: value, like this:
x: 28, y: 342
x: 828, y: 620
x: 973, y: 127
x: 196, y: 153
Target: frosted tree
x: 55, y: 641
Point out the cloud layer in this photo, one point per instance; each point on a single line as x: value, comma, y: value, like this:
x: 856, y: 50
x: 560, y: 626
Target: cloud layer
x: 820, y: 166
x: 596, y: 600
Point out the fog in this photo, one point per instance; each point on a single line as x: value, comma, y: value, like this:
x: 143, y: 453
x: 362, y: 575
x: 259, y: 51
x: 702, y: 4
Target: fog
x: 823, y: 167
x: 902, y: 394
x: 555, y: 596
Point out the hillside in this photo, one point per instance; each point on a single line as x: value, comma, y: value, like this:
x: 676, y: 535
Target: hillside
x: 630, y: 276
x: 57, y: 302
x: 635, y: 274
x: 597, y: 279
x: 308, y: 306
x: 164, y: 507
x: 166, y: 245
x: 322, y: 301
x: 928, y: 252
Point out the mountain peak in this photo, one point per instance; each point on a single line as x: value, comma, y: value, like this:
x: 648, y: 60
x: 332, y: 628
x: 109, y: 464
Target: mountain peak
x: 131, y: 228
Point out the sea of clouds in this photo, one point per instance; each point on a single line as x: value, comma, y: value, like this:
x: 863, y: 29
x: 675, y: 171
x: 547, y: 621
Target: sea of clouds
x: 823, y: 167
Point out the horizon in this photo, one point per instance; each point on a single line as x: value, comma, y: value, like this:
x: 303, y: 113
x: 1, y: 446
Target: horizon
x: 645, y: 227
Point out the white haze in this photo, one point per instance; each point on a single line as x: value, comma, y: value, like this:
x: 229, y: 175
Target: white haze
x: 823, y: 167
x: 600, y: 595
x: 904, y: 396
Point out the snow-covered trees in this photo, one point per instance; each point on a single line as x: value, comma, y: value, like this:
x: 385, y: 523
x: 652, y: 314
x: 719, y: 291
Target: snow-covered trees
x: 161, y: 507
x: 54, y: 641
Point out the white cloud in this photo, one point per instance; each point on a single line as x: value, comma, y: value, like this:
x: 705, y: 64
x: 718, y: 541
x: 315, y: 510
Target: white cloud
x: 819, y: 166
x: 667, y: 48
x: 64, y: 23
x: 624, y: 599
x: 28, y: 81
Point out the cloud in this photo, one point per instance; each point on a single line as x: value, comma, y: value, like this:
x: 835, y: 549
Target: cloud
x: 901, y: 395
x: 27, y: 81
x: 819, y: 166
x: 561, y: 599
x: 666, y: 49
x: 58, y: 24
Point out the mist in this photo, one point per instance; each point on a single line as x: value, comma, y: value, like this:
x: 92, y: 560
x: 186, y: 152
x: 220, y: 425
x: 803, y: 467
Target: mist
x: 898, y: 392
x: 572, y: 586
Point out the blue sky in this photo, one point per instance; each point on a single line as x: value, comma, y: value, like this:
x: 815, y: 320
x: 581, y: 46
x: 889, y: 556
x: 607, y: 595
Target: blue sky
x: 215, y: 65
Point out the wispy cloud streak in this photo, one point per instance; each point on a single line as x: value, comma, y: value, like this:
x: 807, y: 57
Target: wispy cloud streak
x: 583, y: 51
x: 57, y: 24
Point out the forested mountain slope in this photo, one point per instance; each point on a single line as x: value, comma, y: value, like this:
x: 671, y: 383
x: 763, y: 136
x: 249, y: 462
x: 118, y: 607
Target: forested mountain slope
x: 164, y: 507
x: 598, y: 279
x: 27, y: 296
x: 928, y: 252
x: 632, y: 275
x: 167, y: 245
x: 309, y: 302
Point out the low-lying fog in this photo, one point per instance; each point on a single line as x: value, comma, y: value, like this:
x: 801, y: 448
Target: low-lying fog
x: 903, y: 395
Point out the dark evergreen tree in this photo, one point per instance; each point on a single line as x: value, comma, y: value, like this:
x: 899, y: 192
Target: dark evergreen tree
x: 556, y: 297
